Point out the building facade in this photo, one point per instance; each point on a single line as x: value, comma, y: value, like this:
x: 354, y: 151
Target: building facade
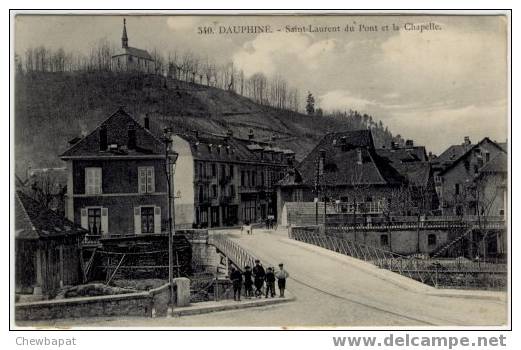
x: 345, y: 171
x: 223, y: 180
x: 456, y: 183
x: 117, y: 183
x: 130, y: 58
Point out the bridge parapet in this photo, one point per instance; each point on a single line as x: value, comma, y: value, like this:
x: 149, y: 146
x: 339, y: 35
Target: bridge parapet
x: 239, y: 256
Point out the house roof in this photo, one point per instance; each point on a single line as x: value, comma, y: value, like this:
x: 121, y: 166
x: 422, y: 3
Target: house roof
x: 33, y: 221
x: 342, y: 166
x: 404, y: 155
x: 453, y: 164
x: 227, y: 148
x: 117, y: 125
x: 498, y: 164
x: 410, y: 162
x: 134, y: 52
x: 418, y: 173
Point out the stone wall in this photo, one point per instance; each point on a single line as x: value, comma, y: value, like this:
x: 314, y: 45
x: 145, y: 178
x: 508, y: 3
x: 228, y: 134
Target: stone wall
x: 399, y: 241
x: 135, y: 304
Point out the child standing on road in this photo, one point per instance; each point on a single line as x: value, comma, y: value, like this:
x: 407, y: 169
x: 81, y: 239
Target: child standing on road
x: 248, y: 282
x: 281, y: 276
x: 270, y: 282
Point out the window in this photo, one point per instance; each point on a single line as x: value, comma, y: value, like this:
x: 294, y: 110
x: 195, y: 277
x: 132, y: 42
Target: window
x: 92, y: 180
x: 214, y: 170
x: 94, y: 220
x: 384, y: 240
x: 231, y: 171
x: 146, y: 180
x: 223, y: 171
x: 368, y: 199
x: 232, y: 191
x: 487, y: 157
x: 456, y: 189
x: 253, y: 178
x: 431, y: 239
x: 214, y: 191
x: 147, y: 219
x: 242, y: 178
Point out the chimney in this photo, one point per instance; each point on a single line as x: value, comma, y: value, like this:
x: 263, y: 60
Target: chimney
x: 103, y: 142
x: 359, y: 156
x: 131, y: 140
x: 250, y: 135
x: 291, y: 175
x: 409, y: 143
x: 147, y: 122
x: 322, y: 161
x: 466, y: 141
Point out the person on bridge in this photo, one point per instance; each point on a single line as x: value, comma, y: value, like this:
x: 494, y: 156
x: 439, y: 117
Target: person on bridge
x: 270, y: 282
x: 236, y: 277
x: 258, y: 274
x: 248, y: 282
x: 281, y: 276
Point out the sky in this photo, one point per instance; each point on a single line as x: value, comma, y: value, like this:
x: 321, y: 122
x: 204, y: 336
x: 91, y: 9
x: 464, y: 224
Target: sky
x: 433, y: 86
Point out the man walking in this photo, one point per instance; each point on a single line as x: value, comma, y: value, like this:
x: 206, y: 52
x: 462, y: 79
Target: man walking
x: 258, y: 274
x: 270, y: 282
x: 236, y: 277
x: 281, y: 275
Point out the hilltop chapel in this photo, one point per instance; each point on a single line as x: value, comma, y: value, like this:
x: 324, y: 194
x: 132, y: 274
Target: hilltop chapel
x: 130, y: 58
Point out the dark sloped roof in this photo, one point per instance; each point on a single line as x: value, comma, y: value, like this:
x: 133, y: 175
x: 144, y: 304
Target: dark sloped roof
x: 227, y: 148
x: 134, y: 52
x: 418, y: 173
x: 453, y: 164
x: 342, y: 167
x: 498, y: 164
x: 410, y: 162
x: 117, y: 133
x: 33, y: 221
x: 403, y: 155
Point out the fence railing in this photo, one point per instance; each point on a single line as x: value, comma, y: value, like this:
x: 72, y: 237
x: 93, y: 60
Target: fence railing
x: 237, y: 254
x: 435, y: 272
x: 348, y: 222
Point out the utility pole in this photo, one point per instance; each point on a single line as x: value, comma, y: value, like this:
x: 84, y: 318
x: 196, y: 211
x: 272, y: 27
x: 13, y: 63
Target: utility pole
x: 170, y: 160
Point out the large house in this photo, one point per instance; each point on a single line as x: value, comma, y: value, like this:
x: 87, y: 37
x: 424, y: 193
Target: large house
x: 130, y: 58
x: 456, y: 179
x: 344, y: 169
x: 222, y: 180
x: 117, y: 183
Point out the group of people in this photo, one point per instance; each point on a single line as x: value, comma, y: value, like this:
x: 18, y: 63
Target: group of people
x: 257, y: 277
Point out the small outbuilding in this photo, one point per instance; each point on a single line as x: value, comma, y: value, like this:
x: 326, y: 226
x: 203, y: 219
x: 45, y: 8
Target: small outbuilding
x: 47, y: 249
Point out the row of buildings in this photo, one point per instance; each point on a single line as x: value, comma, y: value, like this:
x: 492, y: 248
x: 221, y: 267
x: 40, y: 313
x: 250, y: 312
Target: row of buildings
x: 117, y: 178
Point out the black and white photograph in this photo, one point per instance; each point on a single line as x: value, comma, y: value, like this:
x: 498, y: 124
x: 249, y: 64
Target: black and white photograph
x: 260, y: 170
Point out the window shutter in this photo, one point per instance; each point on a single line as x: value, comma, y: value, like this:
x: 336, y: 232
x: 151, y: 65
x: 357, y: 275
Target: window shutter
x: 150, y: 180
x: 84, y: 219
x: 142, y: 180
x: 104, y: 221
x: 157, y: 220
x: 137, y: 220
x: 98, y: 180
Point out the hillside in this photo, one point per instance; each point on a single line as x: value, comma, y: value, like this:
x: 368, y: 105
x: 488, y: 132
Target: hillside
x: 52, y: 108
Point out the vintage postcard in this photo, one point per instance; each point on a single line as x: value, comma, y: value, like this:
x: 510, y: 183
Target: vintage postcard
x: 260, y: 170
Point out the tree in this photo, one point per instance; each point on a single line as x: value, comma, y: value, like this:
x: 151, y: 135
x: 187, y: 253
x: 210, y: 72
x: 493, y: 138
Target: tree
x: 310, y: 104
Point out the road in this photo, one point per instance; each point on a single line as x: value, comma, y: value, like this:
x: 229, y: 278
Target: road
x: 331, y: 290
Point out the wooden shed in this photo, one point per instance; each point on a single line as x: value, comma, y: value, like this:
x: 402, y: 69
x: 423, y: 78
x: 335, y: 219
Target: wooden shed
x: 47, y: 249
